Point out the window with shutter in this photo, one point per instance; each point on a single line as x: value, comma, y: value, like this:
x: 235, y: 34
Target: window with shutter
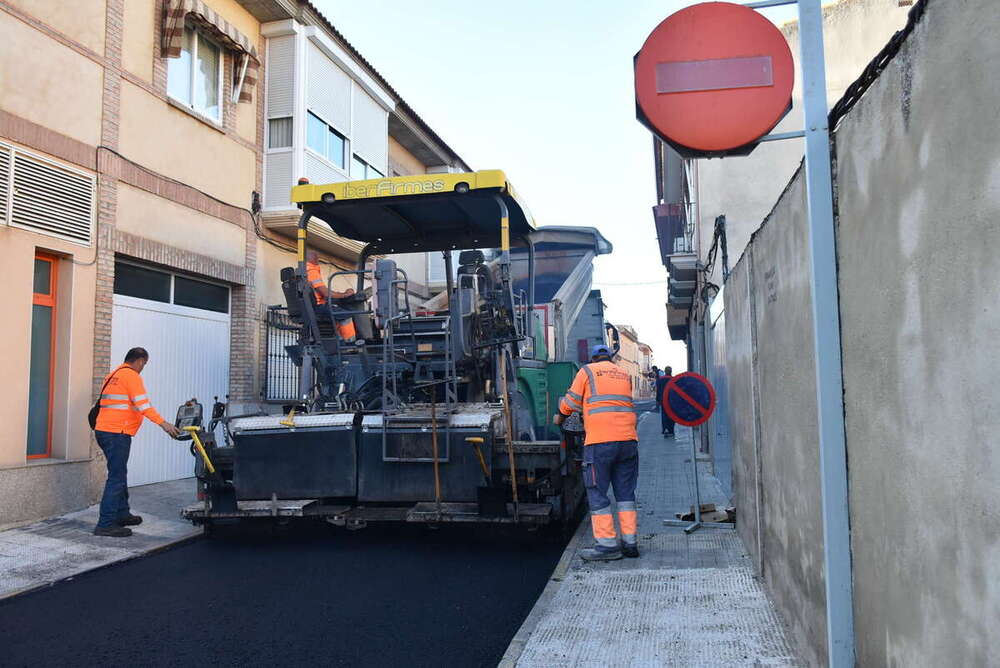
x: 52, y: 199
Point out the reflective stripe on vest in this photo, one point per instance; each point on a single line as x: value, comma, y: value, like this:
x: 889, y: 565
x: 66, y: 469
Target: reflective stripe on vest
x: 590, y: 379
x: 608, y: 397
x: 611, y: 409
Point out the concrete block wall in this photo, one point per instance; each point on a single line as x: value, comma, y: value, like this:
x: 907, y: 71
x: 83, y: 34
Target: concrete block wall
x: 774, y: 417
x: 919, y: 242
x: 918, y: 188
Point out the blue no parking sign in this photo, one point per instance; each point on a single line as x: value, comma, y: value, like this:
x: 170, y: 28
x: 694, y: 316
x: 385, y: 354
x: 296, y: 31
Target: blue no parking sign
x: 689, y: 399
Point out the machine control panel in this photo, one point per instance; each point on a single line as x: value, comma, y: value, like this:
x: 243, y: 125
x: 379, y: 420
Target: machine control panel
x: 189, y: 414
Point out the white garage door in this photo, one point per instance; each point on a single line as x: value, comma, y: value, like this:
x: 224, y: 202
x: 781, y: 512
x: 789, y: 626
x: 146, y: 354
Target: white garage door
x: 188, y: 357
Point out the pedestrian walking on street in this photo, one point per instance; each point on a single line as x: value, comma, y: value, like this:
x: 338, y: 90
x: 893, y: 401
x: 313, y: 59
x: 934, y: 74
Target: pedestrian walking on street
x: 666, y: 424
x: 603, y: 394
x: 123, y: 403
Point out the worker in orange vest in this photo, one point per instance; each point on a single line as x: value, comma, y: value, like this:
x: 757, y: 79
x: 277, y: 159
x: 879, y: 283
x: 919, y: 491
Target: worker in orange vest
x: 345, y: 327
x: 603, y: 394
x: 123, y: 404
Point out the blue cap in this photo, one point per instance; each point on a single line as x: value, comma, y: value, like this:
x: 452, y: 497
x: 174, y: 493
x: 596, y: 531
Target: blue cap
x: 600, y: 350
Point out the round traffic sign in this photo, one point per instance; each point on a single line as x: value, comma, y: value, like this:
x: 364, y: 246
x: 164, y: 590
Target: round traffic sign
x: 714, y: 78
x: 689, y: 399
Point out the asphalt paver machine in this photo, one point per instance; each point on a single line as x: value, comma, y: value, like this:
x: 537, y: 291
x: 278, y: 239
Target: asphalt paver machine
x: 434, y: 413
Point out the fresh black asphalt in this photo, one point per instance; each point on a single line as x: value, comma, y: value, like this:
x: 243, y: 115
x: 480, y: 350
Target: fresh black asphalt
x: 385, y: 596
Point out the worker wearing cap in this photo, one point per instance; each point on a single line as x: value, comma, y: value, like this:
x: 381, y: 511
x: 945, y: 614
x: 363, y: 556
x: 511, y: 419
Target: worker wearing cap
x: 123, y: 404
x: 345, y: 327
x: 603, y: 394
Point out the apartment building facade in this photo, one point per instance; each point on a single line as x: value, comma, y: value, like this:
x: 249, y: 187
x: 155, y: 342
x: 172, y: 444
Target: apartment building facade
x: 135, y: 210
x: 329, y: 116
x: 130, y: 148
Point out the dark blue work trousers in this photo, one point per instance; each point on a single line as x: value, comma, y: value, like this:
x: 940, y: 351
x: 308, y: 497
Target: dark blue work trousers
x: 613, y: 464
x: 114, y: 503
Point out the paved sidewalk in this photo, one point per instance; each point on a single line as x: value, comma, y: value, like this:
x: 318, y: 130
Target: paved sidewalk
x: 690, y: 600
x: 46, y: 552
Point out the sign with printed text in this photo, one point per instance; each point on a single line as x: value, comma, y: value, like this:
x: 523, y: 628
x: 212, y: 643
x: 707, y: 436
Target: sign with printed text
x: 689, y: 399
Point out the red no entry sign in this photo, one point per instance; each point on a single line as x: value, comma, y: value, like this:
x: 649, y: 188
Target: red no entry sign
x: 713, y: 78
x: 689, y: 399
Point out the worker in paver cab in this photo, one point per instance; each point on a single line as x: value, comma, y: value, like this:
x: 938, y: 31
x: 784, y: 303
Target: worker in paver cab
x: 603, y: 394
x: 345, y: 326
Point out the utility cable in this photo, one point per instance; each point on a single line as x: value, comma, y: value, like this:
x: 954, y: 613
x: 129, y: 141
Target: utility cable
x: 253, y: 214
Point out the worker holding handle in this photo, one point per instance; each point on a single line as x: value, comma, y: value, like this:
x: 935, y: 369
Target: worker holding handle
x: 121, y: 407
x: 603, y: 394
x: 345, y: 327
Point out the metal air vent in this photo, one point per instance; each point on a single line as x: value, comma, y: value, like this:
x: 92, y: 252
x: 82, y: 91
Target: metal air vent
x: 52, y: 199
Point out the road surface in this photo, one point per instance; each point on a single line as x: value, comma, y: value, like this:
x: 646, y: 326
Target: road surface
x: 385, y: 596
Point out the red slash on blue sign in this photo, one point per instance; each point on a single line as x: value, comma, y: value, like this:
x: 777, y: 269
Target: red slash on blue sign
x: 689, y: 399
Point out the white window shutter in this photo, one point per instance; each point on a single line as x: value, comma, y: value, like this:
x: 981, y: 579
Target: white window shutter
x: 280, y: 76
x: 51, y: 199
x: 371, y: 130
x: 328, y: 91
x: 5, y: 160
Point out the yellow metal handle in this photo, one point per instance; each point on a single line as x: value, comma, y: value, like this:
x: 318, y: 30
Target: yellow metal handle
x: 476, y: 441
x: 289, y: 421
x: 505, y: 233
x: 301, y: 245
x: 201, y: 448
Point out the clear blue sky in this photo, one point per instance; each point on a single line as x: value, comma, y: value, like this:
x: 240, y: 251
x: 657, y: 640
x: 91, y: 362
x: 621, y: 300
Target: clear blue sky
x: 542, y: 90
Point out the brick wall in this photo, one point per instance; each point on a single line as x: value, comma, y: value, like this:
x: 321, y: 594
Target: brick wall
x: 107, y: 195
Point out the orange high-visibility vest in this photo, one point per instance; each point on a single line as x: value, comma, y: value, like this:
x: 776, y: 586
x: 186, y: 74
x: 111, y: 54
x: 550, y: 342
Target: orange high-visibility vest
x: 315, y: 278
x: 345, y: 328
x: 603, y: 393
x: 124, y: 402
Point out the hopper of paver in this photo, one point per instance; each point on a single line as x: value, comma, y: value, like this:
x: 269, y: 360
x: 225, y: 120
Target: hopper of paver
x: 564, y: 268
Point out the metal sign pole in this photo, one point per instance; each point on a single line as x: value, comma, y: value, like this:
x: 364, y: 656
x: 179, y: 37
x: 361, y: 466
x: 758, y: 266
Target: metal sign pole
x: 689, y: 526
x: 656, y: 73
x: 698, y: 523
x: 826, y: 338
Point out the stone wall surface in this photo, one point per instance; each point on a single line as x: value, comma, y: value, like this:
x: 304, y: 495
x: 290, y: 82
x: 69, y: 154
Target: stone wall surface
x: 919, y: 199
x: 918, y: 193
x: 781, y: 385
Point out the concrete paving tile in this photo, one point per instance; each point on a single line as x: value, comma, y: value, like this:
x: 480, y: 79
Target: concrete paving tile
x: 57, y: 548
x: 690, y: 600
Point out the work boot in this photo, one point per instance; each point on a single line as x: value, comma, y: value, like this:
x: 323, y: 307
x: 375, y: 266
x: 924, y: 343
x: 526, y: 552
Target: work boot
x: 630, y: 550
x: 598, y: 553
x: 114, y: 532
x: 129, y: 520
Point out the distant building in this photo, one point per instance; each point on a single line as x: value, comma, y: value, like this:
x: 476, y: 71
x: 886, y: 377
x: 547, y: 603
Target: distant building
x: 634, y: 358
x: 646, y: 368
